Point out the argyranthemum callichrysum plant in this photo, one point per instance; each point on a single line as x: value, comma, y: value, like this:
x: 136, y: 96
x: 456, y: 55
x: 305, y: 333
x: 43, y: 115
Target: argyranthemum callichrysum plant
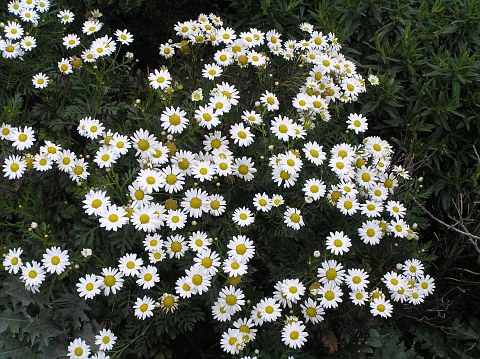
x: 246, y: 192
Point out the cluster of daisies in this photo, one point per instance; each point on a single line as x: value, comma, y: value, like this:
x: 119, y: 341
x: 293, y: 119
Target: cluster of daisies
x: 80, y: 349
x: 18, y: 39
x: 177, y: 184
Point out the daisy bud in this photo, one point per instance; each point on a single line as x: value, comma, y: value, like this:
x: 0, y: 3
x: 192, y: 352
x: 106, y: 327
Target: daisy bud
x: 277, y: 83
x: 217, y: 184
x: 30, y: 229
x: 137, y: 101
x: 45, y: 236
x: 86, y: 252
x: 308, y: 199
x: 262, y: 157
x: 420, y: 179
x: 399, y: 266
x: 163, y: 133
x: 87, y: 156
x: 257, y: 103
x: 34, y: 225
x: 194, y: 223
x: 257, y: 351
x: 169, y: 137
x: 414, y: 226
x: 270, y: 147
x: 76, y: 266
x: 316, y: 254
x: 2, y: 25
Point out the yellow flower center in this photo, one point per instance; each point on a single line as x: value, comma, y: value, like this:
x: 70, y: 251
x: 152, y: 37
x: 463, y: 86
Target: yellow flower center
x: 130, y: 264
x: 284, y: 175
x: 197, y: 279
x: 33, y: 274
x: 144, y: 219
x: 176, y: 247
x: 356, y: 279
x: 89, y: 287
x: 243, y: 169
x: 195, y: 202
x: 337, y: 243
x: 139, y: 194
x: 295, y: 217
x: 311, y: 312
x: 331, y: 274
x: 241, y: 249
x: 207, y: 262
x: 151, y: 180
x: 370, y: 232
x: 14, y: 167
x: 78, y: 170
x: 231, y: 299
x: 144, y: 307
x: 214, y: 204
x: 381, y: 308
x: 143, y: 145
x: 109, y: 280
x: 168, y: 301
x: 55, y: 260
x: 174, y: 120
x: 329, y: 295
x: 113, y: 218
x: 78, y: 351
x: 294, y: 335
x: 148, y: 277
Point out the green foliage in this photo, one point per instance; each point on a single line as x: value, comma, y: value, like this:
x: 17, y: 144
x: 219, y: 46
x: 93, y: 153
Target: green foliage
x: 385, y: 343
x: 461, y: 341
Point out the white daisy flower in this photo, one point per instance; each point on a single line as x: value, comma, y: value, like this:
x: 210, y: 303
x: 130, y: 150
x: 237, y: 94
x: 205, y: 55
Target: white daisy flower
x: 55, y: 260
x: 105, y: 339
x: 294, y: 335
x: 113, y: 218
x: 243, y: 217
x: 78, y: 349
x: 88, y: 286
x: 111, y: 280
x: 144, y: 307
x: 130, y: 265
